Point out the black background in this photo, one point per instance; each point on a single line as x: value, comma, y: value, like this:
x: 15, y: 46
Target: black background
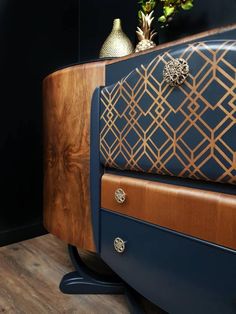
x: 36, y: 38
x: 96, y: 21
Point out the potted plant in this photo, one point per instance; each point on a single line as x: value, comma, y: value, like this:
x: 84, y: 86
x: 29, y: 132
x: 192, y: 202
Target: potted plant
x: 146, y: 16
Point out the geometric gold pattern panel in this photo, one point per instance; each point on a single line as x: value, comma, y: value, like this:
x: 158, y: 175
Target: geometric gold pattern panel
x: 185, y: 131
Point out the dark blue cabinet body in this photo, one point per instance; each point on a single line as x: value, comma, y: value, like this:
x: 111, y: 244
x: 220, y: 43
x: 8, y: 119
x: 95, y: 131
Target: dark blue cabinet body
x: 180, y: 274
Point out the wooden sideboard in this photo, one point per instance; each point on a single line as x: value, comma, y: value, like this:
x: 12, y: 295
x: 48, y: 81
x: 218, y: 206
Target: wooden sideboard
x: 143, y: 173
x: 67, y: 95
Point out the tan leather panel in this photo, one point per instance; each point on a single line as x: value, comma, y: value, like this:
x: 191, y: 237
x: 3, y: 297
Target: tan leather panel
x: 210, y: 216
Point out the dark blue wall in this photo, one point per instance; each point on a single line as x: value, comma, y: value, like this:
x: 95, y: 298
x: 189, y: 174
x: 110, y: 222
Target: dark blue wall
x: 96, y: 21
x: 205, y: 15
x: 36, y: 37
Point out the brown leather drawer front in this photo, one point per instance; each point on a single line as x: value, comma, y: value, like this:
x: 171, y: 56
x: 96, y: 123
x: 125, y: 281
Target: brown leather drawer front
x: 210, y: 216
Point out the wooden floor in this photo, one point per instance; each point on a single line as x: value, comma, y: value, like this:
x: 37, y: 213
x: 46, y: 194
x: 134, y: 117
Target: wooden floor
x: 30, y: 273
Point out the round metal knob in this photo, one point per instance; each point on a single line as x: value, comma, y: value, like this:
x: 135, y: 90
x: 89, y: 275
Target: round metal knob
x: 120, y: 196
x: 176, y: 71
x: 119, y: 245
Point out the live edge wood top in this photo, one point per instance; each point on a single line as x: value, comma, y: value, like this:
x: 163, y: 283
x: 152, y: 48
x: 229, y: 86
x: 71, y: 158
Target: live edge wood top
x: 209, y: 216
x: 67, y: 99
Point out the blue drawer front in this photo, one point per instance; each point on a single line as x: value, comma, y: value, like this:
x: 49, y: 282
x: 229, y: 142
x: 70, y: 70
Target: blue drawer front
x: 179, y: 274
x: 186, y: 131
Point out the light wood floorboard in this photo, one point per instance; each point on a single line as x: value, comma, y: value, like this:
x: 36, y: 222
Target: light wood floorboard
x: 30, y: 273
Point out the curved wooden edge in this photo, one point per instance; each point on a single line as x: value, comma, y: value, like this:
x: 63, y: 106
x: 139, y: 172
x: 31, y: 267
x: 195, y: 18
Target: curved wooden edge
x: 67, y: 101
x: 77, y: 67
x: 210, y: 216
x: 183, y: 40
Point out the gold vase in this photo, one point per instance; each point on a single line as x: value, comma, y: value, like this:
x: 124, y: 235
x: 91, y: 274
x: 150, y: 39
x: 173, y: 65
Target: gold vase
x: 117, y: 43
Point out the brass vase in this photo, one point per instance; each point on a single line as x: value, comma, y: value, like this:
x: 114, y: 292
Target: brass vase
x: 117, y: 43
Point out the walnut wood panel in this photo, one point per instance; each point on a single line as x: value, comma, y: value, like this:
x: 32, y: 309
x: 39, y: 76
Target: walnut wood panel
x: 210, y: 216
x: 67, y: 101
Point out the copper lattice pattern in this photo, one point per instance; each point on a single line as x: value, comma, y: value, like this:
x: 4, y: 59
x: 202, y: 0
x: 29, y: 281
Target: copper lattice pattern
x: 186, y: 131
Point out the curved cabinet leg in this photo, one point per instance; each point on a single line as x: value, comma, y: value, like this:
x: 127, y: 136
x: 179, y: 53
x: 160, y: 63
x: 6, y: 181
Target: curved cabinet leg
x: 74, y: 283
x: 84, y: 281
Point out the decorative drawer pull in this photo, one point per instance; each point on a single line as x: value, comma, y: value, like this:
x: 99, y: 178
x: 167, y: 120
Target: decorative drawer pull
x: 120, y: 196
x: 176, y: 71
x: 119, y: 245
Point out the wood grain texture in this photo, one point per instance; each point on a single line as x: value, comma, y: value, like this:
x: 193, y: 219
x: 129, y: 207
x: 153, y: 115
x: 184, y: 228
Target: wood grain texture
x: 30, y: 273
x: 67, y: 99
x: 210, y: 216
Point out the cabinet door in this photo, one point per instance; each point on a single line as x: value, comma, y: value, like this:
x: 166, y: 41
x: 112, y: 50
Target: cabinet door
x: 187, y: 130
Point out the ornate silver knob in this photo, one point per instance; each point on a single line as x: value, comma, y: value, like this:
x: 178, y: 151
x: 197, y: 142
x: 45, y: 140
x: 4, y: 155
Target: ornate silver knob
x: 119, y: 245
x: 120, y: 196
x: 176, y: 71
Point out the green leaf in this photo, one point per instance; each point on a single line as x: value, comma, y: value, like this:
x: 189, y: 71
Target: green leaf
x: 144, y: 8
x: 168, y: 11
x: 187, y: 5
x: 148, y: 7
x: 153, y: 4
x: 140, y: 14
x: 162, y: 19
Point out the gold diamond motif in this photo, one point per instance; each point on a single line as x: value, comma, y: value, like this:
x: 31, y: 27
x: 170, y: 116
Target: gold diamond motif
x: 197, y: 126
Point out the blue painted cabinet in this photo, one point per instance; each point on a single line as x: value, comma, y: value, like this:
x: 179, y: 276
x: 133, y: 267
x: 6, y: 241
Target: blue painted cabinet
x: 180, y: 274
